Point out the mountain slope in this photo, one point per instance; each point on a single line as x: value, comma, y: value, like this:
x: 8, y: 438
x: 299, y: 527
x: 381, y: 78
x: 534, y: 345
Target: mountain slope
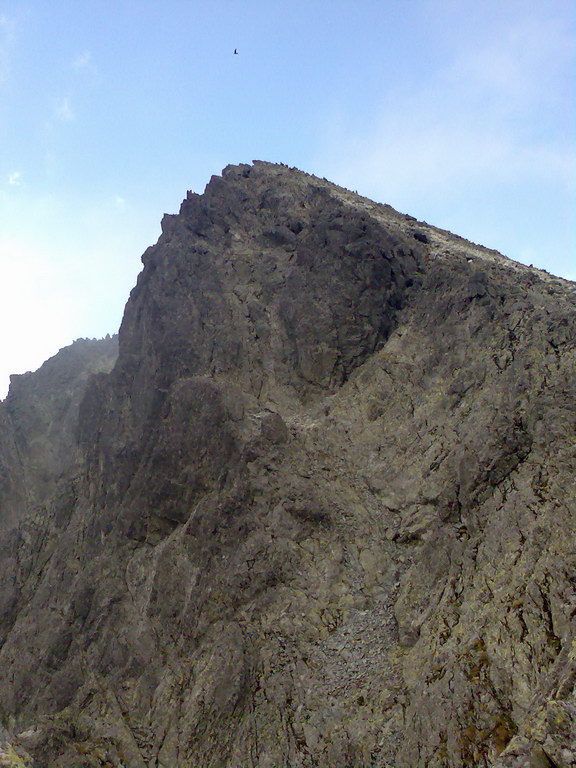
x: 322, y: 508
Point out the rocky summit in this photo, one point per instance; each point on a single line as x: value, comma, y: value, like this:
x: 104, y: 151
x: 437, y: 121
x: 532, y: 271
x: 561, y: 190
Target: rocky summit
x: 314, y: 508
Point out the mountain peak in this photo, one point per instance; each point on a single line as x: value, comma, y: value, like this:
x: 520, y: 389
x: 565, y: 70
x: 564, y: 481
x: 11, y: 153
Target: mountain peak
x: 317, y: 511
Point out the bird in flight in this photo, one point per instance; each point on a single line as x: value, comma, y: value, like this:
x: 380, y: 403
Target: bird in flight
x: 235, y: 51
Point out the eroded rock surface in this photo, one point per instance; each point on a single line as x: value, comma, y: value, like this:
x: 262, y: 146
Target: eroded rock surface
x: 320, y: 513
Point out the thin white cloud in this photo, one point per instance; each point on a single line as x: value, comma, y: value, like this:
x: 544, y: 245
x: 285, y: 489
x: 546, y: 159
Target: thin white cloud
x: 490, y: 131
x: 83, y: 61
x: 518, y: 68
x: 403, y: 151
x: 424, y: 148
x: 15, y: 179
x: 85, y: 67
x: 64, y: 111
x: 469, y: 122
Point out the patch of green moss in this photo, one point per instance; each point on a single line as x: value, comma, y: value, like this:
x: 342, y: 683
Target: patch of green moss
x: 9, y: 758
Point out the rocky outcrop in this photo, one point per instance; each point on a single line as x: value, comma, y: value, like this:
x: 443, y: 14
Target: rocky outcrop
x: 40, y: 465
x: 320, y: 513
x: 38, y: 421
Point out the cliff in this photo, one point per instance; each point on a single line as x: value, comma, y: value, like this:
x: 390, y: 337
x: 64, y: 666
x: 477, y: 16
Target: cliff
x: 321, y: 511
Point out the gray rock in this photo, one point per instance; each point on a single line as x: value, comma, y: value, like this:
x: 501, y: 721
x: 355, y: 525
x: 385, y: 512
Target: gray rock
x: 319, y: 513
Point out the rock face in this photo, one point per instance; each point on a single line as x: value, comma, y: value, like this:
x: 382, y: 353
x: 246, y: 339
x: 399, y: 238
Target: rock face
x: 320, y: 513
x: 38, y: 423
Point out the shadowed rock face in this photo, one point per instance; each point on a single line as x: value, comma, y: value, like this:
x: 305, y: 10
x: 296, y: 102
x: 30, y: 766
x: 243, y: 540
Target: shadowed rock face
x: 320, y: 513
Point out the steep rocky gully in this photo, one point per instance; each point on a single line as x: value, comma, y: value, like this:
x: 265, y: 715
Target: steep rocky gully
x: 318, y: 510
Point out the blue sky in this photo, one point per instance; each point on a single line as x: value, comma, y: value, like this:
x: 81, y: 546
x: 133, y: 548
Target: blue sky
x: 459, y: 112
